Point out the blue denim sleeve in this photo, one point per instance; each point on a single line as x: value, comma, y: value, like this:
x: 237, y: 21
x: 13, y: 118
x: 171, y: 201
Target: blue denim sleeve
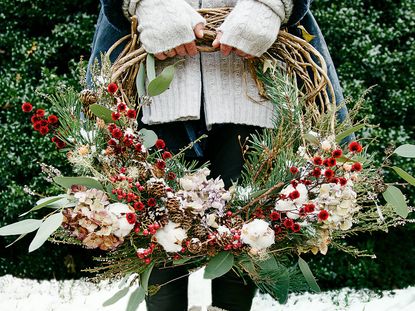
x: 113, y: 12
x: 300, y: 9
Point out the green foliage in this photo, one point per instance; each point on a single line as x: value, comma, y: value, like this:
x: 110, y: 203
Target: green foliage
x: 372, y: 43
x: 39, y: 43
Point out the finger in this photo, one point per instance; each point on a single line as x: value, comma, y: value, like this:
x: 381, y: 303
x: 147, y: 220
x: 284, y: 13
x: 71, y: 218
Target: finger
x: 225, y: 49
x: 191, y: 48
x: 170, y: 53
x: 181, y: 50
x: 199, y: 30
x: 216, y: 42
x: 248, y: 56
x: 160, y: 56
x: 240, y: 53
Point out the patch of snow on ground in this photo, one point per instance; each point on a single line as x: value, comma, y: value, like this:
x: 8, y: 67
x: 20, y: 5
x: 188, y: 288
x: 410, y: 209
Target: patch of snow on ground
x: 30, y: 295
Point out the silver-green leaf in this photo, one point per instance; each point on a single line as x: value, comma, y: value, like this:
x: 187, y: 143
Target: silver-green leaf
x: 409, y: 178
x: 45, y: 202
x: 406, y: 151
x: 219, y: 265
x: 68, y: 182
x: 21, y: 227
x: 162, y: 82
x: 101, y: 112
x: 308, y: 275
x: 140, y: 81
x: 149, y: 137
x: 348, y: 132
x: 136, y: 298
x: 50, y: 225
x: 150, y: 67
x: 116, y: 297
x: 145, y: 276
x: 395, y: 197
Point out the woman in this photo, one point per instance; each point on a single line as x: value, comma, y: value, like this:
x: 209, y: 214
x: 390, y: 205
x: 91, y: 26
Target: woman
x: 210, y: 93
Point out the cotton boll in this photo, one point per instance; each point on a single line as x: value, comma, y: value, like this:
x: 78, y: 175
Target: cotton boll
x: 257, y: 234
x: 171, y: 237
x: 222, y: 230
x: 118, y: 212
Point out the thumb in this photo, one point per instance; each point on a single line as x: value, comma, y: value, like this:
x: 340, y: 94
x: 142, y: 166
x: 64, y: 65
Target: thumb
x: 216, y: 42
x: 199, y: 30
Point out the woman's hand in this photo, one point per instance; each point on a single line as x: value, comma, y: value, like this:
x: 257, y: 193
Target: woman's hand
x: 227, y: 49
x: 189, y: 49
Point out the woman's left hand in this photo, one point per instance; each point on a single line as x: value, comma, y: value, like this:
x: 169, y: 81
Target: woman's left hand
x: 227, y: 49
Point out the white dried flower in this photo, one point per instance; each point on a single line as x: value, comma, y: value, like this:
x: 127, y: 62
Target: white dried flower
x: 257, y: 234
x: 171, y: 237
x: 326, y: 145
x: 118, y: 212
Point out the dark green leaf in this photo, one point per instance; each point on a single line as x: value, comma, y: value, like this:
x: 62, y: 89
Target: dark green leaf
x: 21, y: 227
x: 116, y: 297
x: 136, y: 298
x: 101, y: 112
x: 409, y: 178
x: 308, y: 275
x: 348, y: 132
x: 180, y: 261
x: 162, y: 82
x: 219, y: 265
x: 140, y: 81
x: 68, y: 182
x: 407, y: 151
x: 50, y: 225
x: 394, y: 197
x: 150, y: 67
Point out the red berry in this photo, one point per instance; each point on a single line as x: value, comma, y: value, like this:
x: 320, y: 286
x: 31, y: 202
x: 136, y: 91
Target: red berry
x: 160, y: 144
x: 275, y: 216
x: 121, y: 107
x: 131, y: 113
x: 293, y: 170
x: 323, y: 215
x: 147, y: 261
x: 329, y: 173
x: 131, y: 218
x: 37, y: 125
x: 355, y: 147
x: 27, y: 107
x: 166, y: 155
x: 52, y: 119
x: 343, y: 181
x: 115, y: 116
x: 35, y: 118
x: 337, y: 153
x: 111, y: 127
x: 145, y: 232
x: 316, y: 172
x: 161, y: 164
x: 40, y: 113
x: 294, y: 195
x: 288, y: 222
x: 331, y: 162
x: 296, y: 227
x: 138, y: 147
x: 309, y: 208
x: 151, y: 202
x: 229, y: 213
x: 112, y: 142
x: 318, y: 161
x: 112, y: 88
x: 43, y: 130
x: 117, y: 133
x: 357, y: 167
x: 171, y: 176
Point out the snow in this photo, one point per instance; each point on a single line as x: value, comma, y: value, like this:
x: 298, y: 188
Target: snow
x: 31, y: 295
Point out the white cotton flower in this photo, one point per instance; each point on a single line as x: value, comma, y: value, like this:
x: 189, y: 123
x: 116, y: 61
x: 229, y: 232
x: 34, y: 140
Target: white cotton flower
x: 118, y: 212
x: 284, y: 205
x: 171, y: 237
x: 303, y: 198
x: 346, y: 224
x: 326, y: 145
x: 211, y: 221
x: 257, y: 234
x: 293, y: 215
x: 222, y: 230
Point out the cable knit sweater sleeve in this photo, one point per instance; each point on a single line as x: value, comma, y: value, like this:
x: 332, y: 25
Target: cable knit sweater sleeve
x: 165, y: 24
x: 253, y: 25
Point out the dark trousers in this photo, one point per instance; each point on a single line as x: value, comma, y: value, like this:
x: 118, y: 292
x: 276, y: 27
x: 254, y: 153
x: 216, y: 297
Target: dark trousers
x: 223, y: 151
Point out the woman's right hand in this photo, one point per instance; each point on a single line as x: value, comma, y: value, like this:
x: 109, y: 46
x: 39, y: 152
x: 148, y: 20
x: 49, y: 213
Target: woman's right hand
x: 169, y: 27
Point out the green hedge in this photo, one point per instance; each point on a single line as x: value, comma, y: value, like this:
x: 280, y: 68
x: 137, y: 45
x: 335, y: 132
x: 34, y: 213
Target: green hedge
x: 39, y: 42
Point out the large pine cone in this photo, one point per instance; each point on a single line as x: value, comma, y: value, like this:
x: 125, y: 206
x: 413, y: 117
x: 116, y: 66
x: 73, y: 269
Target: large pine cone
x: 200, y: 232
x: 195, y: 246
x: 87, y: 98
x: 157, y: 190
x: 173, y: 206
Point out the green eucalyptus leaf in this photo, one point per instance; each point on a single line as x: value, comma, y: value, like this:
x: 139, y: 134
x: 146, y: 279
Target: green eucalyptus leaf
x: 409, y: 178
x: 149, y: 137
x: 219, y: 265
x: 50, y: 225
x: 116, y: 297
x: 144, y: 277
x: 102, y: 112
x: 46, y: 202
x: 150, y: 67
x: 180, y: 261
x: 394, y: 197
x: 162, y: 82
x: 308, y: 275
x: 406, y: 151
x: 21, y: 227
x: 68, y: 182
x: 311, y: 139
x: 136, y: 298
x: 348, y: 132
x: 140, y: 81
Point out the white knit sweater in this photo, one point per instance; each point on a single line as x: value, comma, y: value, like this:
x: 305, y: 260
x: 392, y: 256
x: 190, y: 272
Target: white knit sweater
x: 229, y: 92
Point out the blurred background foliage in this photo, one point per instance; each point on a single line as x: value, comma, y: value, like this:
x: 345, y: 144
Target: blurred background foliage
x: 40, y: 44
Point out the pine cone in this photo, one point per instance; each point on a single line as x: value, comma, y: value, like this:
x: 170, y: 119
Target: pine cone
x: 173, y: 206
x: 176, y: 217
x: 142, y: 171
x: 158, y: 172
x: 187, y: 221
x: 195, y: 246
x: 200, y: 232
x: 87, y: 98
x: 157, y: 190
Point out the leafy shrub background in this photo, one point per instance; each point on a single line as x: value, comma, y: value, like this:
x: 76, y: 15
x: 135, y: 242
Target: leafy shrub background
x: 40, y: 43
